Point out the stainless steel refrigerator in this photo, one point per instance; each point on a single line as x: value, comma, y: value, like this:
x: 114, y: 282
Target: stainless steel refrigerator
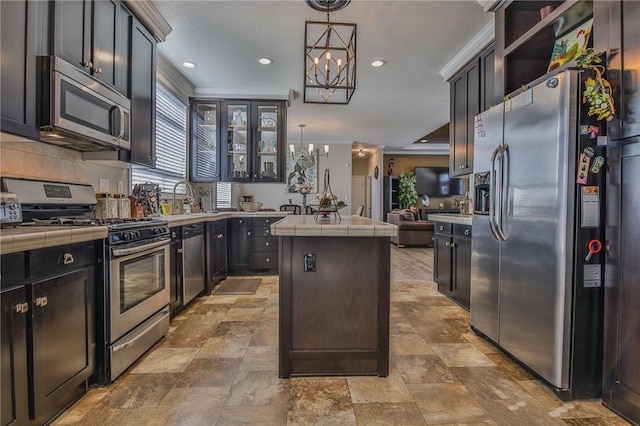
x: 532, y: 291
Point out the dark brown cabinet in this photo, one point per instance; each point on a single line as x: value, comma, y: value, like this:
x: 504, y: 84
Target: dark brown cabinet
x: 472, y: 90
x: 390, y: 195
x: 142, y: 75
x: 88, y: 35
x: 204, y: 148
x: 251, y: 247
x: 524, y: 40
x: 254, y: 139
x: 18, y: 33
x: 62, y: 327
x: 13, y: 324
x: 216, y: 253
x: 175, y: 270
x: 617, y: 34
x: 452, y: 261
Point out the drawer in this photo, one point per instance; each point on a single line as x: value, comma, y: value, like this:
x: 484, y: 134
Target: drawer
x: 442, y: 228
x: 240, y: 222
x: 264, y: 261
x: 265, y: 244
x: 56, y: 260
x: 13, y: 271
x: 265, y: 221
x: 462, y: 230
x: 261, y: 231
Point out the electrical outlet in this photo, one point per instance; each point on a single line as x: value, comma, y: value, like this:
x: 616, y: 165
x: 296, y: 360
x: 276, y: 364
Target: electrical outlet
x: 309, y: 262
x: 104, y: 185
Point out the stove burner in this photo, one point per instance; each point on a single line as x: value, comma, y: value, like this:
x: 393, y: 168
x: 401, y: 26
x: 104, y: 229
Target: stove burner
x: 60, y: 221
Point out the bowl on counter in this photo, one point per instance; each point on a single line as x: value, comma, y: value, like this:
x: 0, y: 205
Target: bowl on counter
x: 252, y: 206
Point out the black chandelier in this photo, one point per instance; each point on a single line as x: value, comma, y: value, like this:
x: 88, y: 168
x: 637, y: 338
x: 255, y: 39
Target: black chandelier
x: 329, y: 57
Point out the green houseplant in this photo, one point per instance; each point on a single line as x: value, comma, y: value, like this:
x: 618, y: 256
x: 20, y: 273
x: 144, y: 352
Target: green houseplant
x: 407, y: 195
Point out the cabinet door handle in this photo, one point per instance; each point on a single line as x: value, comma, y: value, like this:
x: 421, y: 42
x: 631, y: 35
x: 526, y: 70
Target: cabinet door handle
x: 66, y: 259
x: 267, y: 244
x: 87, y: 64
x: 41, y: 301
x: 453, y: 245
x: 267, y: 260
x: 239, y: 220
x: 180, y: 250
x: 248, y: 232
x: 442, y: 228
x: 21, y: 308
x: 447, y: 244
x: 220, y: 236
x: 467, y: 232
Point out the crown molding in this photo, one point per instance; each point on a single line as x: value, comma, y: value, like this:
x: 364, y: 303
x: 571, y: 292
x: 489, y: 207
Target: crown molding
x: 150, y: 17
x: 477, y: 43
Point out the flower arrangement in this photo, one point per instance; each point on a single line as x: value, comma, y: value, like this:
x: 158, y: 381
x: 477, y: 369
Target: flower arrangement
x: 304, y: 188
x: 188, y: 199
x: 326, y: 199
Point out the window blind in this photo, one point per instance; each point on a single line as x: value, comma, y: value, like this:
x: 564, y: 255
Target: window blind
x: 171, y: 144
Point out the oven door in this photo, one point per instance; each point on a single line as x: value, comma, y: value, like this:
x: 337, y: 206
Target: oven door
x: 139, y: 286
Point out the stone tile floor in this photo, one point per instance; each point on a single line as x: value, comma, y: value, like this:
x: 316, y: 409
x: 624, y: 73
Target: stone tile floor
x: 219, y: 366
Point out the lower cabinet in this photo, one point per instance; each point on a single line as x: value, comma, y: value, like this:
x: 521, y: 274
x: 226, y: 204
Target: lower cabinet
x: 14, y: 402
x: 452, y: 261
x: 251, y: 247
x: 216, y: 253
x: 175, y: 270
x: 61, y: 348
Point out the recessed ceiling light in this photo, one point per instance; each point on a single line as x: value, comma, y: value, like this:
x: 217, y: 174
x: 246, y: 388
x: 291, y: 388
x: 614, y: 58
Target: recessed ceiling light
x: 424, y: 140
x: 265, y: 61
x: 378, y: 63
x: 189, y: 65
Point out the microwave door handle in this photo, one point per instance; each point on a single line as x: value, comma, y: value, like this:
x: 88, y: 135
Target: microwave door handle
x: 121, y: 111
x: 493, y: 194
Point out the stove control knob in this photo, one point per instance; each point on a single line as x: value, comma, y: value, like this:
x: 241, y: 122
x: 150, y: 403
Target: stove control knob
x: 126, y: 235
x: 138, y: 234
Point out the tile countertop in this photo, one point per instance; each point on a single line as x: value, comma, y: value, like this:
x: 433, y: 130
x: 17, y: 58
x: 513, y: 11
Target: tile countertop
x: 349, y: 226
x: 464, y: 219
x: 22, y: 238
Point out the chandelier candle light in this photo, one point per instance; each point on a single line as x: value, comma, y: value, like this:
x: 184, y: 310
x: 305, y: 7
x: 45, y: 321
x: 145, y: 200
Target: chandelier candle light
x: 330, y: 57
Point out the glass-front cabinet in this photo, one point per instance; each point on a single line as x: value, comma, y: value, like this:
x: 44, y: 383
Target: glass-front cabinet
x: 237, y: 140
x: 238, y: 135
x: 204, y: 149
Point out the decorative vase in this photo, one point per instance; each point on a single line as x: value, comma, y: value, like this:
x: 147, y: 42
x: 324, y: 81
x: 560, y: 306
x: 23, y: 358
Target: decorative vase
x: 186, y: 208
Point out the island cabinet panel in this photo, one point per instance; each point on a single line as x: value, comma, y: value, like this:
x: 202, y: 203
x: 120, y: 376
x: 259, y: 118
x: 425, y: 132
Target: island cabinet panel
x: 334, y: 320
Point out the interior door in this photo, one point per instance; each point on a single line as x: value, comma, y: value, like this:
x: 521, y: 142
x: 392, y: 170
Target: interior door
x: 358, y: 194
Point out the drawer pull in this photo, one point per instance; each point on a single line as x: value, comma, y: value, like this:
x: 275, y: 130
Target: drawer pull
x: 441, y: 228
x: 21, y: 308
x: 66, y: 259
x: 467, y: 232
x: 267, y: 260
x: 239, y: 220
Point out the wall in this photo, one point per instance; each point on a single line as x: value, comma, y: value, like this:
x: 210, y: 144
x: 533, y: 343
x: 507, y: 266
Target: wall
x: 273, y: 195
x: 407, y: 163
x: 30, y: 159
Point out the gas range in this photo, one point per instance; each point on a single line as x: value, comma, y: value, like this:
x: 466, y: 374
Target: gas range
x: 56, y: 204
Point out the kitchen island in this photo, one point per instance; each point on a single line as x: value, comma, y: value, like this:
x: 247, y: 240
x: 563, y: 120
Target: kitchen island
x: 334, y: 296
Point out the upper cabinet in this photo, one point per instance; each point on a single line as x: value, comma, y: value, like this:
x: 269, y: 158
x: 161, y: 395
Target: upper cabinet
x: 525, y: 40
x: 18, y: 38
x: 204, y: 147
x: 142, y: 77
x: 617, y: 34
x: 88, y: 35
x: 237, y: 140
x: 471, y: 91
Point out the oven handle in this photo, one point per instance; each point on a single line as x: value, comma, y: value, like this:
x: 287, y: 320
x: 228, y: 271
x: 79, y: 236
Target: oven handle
x: 141, y: 335
x: 134, y: 250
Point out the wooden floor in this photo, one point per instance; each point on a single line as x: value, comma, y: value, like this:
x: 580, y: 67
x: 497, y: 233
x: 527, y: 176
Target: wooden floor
x: 218, y: 366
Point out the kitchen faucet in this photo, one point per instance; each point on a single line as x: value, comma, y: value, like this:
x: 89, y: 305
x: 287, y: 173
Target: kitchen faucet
x: 173, y: 200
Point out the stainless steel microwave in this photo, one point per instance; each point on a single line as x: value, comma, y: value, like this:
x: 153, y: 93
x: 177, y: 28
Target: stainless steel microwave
x: 80, y: 112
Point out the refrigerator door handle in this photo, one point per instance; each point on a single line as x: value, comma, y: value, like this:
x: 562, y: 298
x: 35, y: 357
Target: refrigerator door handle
x: 504, y: 191
x: 493, y: 194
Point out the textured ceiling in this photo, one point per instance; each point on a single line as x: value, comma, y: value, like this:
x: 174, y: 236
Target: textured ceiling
x: 392, y: 106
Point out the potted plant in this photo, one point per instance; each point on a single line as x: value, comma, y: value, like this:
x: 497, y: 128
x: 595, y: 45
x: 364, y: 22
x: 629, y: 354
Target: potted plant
x: 407, y: 195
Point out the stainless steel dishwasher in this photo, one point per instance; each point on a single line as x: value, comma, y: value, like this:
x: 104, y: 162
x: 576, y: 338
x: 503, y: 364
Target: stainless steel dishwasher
x: 192, y: 261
